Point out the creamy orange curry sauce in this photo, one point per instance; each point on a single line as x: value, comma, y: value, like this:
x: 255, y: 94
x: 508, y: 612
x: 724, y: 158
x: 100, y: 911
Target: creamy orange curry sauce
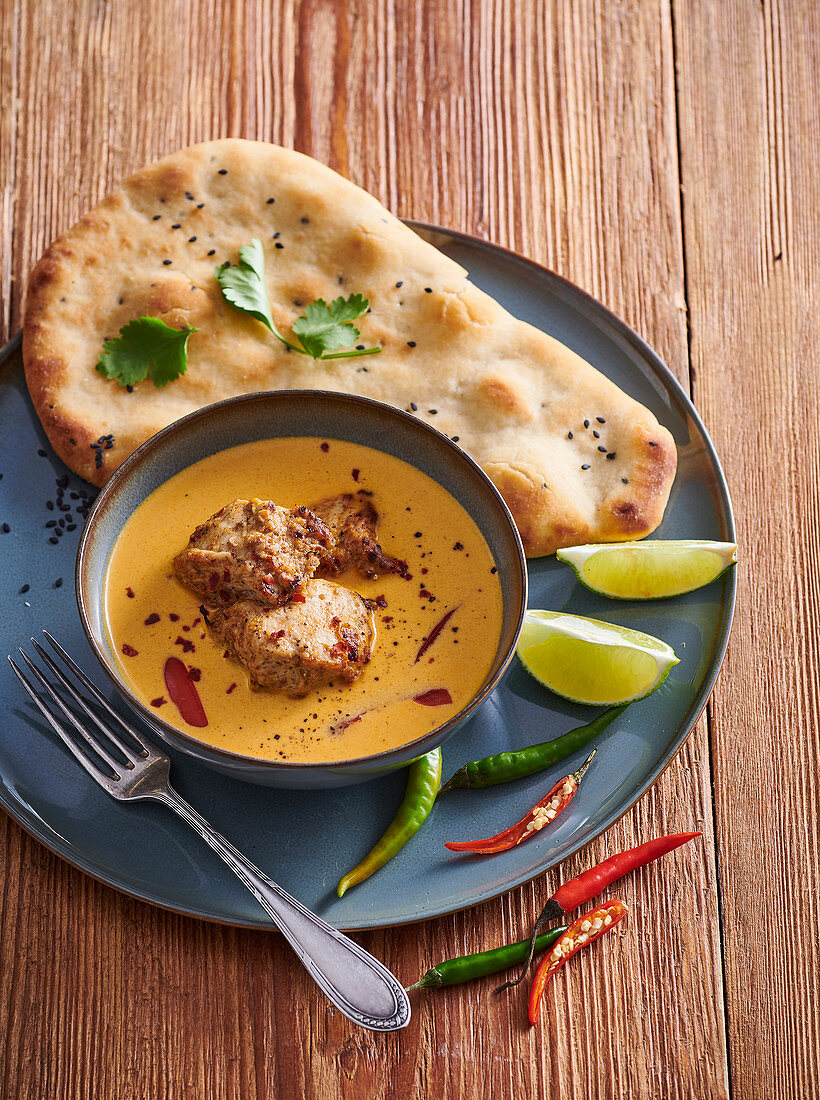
x: 151, y: 616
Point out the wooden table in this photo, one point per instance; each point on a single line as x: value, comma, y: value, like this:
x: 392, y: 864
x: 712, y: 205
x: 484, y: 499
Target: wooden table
x: 660, y: 153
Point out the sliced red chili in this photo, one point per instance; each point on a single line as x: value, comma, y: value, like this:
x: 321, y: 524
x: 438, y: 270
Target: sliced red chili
x: 437, y: 629
x: 435, y: 697
x: 580, y: 933
x: 183, y: 693
x: 551, y: 805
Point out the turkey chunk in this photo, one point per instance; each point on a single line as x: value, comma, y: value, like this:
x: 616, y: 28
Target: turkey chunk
x: 325, y: 633
x: 352, y: 520
x: 253, y: 549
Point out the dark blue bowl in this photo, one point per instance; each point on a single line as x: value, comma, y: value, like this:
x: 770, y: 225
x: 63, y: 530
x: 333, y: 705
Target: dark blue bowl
x: 298, y: 413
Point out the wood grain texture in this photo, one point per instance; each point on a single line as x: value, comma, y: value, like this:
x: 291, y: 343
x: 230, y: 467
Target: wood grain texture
x: 749, y: 127
x: 565, y: 131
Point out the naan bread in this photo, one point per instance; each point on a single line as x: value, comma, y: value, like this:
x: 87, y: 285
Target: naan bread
x: 517, y: 400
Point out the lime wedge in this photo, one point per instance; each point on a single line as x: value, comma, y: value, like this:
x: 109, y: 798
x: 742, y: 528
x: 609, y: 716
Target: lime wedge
x: 588, y: 661
x: 649, y: 570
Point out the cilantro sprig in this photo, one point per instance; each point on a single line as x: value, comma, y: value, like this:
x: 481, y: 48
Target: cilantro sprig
x: 145, y: 348
x: 323, y: 330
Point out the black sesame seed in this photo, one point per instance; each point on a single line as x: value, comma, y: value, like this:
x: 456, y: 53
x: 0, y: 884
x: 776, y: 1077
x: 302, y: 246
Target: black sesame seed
x: 191, y: 240
x: 602, y: 450
x: 585, y: 466
x: 63, y: 481
x: 71, y: 527
x: 611, y: 455
x: 569, y: 435
x: 411, y: 343
x: 651, y: 444
x: 340, y: 280
x: 270, y: 201
x: 432, y: 412
x: 129, y: 389
x: 156, y: 217
x: 50, y: 505
x: 223, y: 171
x: 279, y: 244
x: 414, y: 406
x: 212, y: 252
x: 51, y: 523
x: 58, y: 583
x: 304, y: 221
x: 42, y: 453
x: 24, y: 589
x: 98, y: 459
x: 58, y: 532
x: 360, y: 347
x: 456, y: 438
x: 5, y: 528
x: 428, y: 290
x: 596, y: 435
x: 177, y: 226
x: 276, y: 236
x: 600, y: 420
x: 53, y: 541
x: 399, y: 285
x: 625, y: 480
x: 166, y: 262
x: 189, y: 196
x: 199, y: 205
x: 586, y: 423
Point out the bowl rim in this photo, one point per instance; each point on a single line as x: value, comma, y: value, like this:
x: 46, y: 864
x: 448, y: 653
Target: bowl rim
x: 439, y: 733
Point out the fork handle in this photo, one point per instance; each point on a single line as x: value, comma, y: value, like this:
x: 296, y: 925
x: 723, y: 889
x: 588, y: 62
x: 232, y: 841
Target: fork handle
x: 359, y: 986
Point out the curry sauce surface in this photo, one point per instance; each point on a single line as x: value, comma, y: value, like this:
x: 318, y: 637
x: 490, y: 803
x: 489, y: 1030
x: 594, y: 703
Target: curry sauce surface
x: 151, y: 616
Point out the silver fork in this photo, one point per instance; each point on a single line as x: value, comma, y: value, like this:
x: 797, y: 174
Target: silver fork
x: 359, y: 986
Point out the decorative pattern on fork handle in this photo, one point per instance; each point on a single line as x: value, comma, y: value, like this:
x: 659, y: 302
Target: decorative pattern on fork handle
x: 360, y: 987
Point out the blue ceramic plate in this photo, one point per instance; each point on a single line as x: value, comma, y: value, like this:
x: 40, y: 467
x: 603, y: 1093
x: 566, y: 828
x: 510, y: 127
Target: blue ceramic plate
x: 305, y: 840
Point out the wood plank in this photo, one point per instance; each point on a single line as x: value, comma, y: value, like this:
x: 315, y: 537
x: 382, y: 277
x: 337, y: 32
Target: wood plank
x: 748, y: 93
x: 547, y: 128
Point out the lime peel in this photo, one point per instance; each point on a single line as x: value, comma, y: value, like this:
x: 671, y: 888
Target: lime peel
x: 589, y: 661
x: 652, y: 570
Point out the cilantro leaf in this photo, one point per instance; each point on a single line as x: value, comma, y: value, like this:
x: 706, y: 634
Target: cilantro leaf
x: 321, y: 331
x: 145, y: 348
x: 324, y: 328
x: 243, y: 284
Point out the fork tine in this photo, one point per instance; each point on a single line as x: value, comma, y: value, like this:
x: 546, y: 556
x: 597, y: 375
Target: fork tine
x: 97, y: 694
x: 93, y: 770
x: 117, y: 766
x: 130, y: 755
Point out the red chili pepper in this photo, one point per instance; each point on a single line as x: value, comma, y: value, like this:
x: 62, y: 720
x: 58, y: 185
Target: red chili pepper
x: 590, y: 883
x: 581, y: 932
x: 578, y: 891
x: 435, y: 697
x: 183, y: 693
x: 551, y: 805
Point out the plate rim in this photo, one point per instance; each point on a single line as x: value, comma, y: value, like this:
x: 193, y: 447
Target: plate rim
x: 671, y: 385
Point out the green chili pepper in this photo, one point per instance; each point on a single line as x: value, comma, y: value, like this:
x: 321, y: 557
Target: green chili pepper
x: 423, y: 781
x: 469, y: 967
x: 505, y: 766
